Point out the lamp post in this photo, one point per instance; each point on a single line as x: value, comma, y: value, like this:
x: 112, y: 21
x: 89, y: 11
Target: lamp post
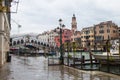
x: 18, y: 25
x: 89, y: 48
x: 61, y: 46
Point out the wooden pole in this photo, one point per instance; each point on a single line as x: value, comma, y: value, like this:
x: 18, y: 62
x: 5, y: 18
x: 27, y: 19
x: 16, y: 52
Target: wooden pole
x: 74, y: 53
x: 108, y: 51
x: 67, y: 54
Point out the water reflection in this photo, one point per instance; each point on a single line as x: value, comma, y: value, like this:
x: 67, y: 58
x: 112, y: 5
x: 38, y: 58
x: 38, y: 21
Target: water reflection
x: 65, y: 73
x: 36, y: 68
x: 4, y: 73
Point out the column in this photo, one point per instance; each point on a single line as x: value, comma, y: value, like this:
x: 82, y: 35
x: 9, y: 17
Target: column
x: 1, y: 39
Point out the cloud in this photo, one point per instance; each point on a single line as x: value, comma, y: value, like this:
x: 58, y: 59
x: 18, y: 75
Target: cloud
x: 42, y: 15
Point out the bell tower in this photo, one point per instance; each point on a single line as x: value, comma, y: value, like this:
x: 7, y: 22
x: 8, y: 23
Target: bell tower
x: 74, y: 23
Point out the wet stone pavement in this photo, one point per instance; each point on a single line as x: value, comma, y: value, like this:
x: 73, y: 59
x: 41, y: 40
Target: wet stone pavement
x: 36, y: 68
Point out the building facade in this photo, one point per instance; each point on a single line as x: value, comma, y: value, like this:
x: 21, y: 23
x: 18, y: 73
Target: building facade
x: 5, y: 28
x: 51, y: 39
x: 66, y: 37
x: 44, y: 37
x: 87, y: 35
x: 106, y: 30
x: 48, y: 37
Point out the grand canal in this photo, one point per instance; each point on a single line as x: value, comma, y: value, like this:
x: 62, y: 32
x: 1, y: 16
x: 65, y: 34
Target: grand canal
x: 36, y: 68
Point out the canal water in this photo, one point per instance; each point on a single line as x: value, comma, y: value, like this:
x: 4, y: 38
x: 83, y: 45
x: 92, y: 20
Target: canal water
x: 110, y: 67
x: 36, y: 68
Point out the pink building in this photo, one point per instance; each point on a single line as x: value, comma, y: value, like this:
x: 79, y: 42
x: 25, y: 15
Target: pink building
x: 66, y: 37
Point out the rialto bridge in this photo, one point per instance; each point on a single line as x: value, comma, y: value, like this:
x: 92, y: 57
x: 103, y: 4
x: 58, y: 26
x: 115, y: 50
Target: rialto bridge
x: 27, y: 43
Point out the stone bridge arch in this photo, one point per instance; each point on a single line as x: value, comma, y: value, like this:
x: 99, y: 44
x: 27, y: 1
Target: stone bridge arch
x: 28, y: 42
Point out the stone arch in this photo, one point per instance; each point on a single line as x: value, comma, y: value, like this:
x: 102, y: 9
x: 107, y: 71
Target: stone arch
x: 47, y: 45
x: 22, y: 41
x: 38, y: 43
x: 32, y: 41
x: 41, y: 43
x: 18, y: 42
x: 14, y: 42
x: 44, y: 44
x: 35, y: 42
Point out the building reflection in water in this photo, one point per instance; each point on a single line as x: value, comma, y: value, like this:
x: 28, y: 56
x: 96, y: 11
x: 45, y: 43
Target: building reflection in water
x: 36, y: 68
x: 5, y: 72
x: 65, y: 73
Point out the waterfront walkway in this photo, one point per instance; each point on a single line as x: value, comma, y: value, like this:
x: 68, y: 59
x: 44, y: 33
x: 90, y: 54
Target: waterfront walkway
x: 36, y: 68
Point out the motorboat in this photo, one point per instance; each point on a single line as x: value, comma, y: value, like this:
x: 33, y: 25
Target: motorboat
x: 107, y: 56
x: 112, y: 55
x: 52, y: 53
x: 41, y: 51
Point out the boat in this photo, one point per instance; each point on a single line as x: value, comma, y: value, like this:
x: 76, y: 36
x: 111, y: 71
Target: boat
x: 52, y: 53
x: 107, y: 56
x: 112, y: 55
x: 41, y: 51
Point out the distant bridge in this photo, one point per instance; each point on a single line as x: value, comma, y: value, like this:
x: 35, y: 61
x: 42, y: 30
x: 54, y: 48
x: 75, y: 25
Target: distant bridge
x: 29, y: 42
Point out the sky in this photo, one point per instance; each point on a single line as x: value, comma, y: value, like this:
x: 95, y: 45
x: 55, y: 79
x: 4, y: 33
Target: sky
x: 37, y: 16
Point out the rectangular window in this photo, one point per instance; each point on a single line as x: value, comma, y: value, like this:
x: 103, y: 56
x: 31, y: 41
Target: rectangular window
x: 108, y: 30
x: 114, y: 31
x: 95, y: 32
x: 101, y: 31
x: 101, y: 26
x: 87, y: 32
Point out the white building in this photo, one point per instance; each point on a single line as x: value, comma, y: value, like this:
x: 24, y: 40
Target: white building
x: 43, y: 37
x: 48, y: 37
x: 51, y: 39
x: 4, y: 30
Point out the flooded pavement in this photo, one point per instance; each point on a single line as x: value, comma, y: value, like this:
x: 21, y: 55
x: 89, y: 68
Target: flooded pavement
x: 36, y: 68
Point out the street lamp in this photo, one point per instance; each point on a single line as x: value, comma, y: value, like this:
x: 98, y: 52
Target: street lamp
x: 19, y: 26
x: 61, y: 46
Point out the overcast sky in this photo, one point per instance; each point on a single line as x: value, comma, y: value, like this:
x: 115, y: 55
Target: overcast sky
x: 37, y: 16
